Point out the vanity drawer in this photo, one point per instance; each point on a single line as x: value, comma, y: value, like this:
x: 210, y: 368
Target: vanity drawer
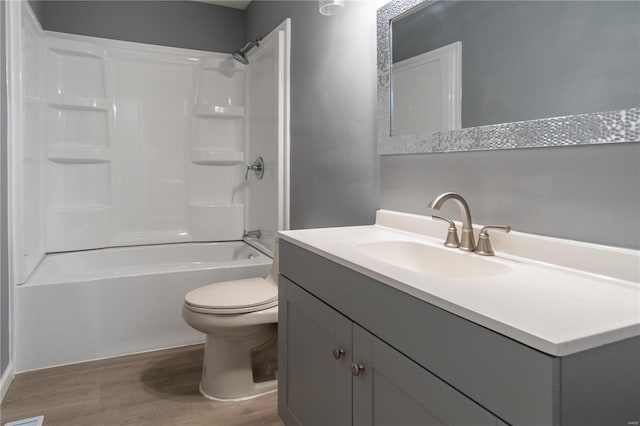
x: 518, y: 384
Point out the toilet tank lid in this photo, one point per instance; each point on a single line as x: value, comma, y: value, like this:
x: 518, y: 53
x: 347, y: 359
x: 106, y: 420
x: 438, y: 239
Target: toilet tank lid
x: 233, y: 294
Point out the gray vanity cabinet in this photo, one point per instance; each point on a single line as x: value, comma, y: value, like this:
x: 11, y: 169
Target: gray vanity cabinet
x: 323, y: 351
x: 424, y: 365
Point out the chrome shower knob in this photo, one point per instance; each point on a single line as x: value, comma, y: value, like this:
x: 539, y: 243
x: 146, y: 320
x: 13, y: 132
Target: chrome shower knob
x: 257, y: 167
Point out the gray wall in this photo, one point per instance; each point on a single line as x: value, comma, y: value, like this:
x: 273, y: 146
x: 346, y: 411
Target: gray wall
x: 519, y: 55
x: 586, y: 193
x: 4, y: 264
x: 334, y: 166
x: 185, y: 24
x: 36, y: 6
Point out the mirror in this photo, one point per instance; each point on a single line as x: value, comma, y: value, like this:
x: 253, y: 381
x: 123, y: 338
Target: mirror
x: 473, y: 75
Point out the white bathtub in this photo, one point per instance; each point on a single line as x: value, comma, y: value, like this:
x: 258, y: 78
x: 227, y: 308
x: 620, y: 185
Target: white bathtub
x: 94, y: 304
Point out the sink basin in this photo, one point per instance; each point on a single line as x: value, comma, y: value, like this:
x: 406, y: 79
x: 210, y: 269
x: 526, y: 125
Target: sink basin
x: 443, y: 262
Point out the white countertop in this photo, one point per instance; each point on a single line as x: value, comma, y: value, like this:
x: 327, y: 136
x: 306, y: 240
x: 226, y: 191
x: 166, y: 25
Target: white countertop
x: 550, y: 307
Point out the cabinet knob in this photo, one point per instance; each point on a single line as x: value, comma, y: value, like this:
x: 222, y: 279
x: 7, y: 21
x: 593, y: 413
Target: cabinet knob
x: 337, y: 353
x: 357, y: 369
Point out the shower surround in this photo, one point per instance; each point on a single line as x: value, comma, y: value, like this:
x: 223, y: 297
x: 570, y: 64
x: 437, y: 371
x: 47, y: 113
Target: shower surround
x: 128, y: 144
x: 144, y: 143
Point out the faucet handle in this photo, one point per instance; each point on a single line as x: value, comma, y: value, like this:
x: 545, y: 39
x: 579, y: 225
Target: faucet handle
x: 452, y: 233
x: 484, y: 245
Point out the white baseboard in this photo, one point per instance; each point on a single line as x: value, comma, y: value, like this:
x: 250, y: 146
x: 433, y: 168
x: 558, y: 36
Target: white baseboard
x: 6, y: 379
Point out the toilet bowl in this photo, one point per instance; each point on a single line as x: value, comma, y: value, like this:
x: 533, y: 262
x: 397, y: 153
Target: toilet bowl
x: 239, y: 319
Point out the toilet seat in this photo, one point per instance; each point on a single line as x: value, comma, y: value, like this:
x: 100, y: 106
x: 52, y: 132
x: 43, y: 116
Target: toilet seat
x: 233, y: 297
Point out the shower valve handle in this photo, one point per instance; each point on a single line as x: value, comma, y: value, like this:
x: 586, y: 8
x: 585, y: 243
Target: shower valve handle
x: 257, y: 167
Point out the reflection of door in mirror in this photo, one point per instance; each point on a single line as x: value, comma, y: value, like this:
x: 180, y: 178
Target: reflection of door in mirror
x: 427, y: 93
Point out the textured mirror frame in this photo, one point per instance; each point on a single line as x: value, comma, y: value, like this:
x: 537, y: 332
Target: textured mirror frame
x: 582, y: 129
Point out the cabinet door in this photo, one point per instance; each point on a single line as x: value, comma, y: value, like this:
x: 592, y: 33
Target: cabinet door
x: 314, y: 387
x: 393, y: 390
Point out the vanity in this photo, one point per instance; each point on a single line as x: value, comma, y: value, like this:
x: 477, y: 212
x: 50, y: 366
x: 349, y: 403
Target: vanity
x: 383, y: 325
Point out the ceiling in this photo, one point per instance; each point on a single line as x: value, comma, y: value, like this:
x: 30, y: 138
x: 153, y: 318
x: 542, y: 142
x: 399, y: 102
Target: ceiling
x: 236, y: 4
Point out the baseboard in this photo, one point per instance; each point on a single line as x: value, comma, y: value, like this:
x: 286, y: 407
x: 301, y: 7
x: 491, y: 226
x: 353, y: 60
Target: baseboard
x: 5, y: 380
x: 162, y: 348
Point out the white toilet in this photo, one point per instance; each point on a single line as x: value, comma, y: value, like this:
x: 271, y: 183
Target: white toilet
x: 240, y: 320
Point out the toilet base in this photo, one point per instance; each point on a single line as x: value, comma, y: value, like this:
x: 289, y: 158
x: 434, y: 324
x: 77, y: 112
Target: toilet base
x: 227, y: 373
x: 245, y: 398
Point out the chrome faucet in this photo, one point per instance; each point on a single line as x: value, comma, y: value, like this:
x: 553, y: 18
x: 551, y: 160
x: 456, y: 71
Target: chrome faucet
x: 467, y: 242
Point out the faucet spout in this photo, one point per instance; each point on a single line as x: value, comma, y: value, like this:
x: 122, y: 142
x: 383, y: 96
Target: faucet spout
x: 467, y: 240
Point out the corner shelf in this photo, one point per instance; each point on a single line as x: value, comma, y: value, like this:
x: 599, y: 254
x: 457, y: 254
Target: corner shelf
x: 218, y: 111
x: 88, y: 209
x: 217, y: 158
x: 79, y: 102
x: 78, y: 154
x: 74, y: 48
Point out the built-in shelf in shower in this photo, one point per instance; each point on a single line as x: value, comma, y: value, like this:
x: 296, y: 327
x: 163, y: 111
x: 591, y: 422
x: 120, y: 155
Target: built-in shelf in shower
x: 217, y: 158
x: 78, y: 154
x: 89, y: 209
x: 218, y: 111
x: 79, y: 102
x: 71, y: 48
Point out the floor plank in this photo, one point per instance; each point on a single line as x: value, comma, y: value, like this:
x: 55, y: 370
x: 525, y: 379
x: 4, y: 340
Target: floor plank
x: 156, y: 388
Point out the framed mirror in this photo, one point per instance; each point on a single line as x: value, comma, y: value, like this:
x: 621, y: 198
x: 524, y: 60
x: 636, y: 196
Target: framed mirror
x: 463, y: 75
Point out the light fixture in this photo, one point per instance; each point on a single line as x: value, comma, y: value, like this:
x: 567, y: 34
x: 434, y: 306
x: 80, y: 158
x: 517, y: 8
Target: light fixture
x: 330, y: 7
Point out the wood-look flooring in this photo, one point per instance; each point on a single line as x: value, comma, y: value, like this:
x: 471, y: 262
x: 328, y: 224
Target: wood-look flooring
x: 156, y: 388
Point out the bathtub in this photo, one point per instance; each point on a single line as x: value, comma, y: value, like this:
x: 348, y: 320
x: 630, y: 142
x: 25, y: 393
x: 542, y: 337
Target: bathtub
x: 93, y: 304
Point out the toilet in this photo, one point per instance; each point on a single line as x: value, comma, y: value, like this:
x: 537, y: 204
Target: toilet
x: 239, y: 319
